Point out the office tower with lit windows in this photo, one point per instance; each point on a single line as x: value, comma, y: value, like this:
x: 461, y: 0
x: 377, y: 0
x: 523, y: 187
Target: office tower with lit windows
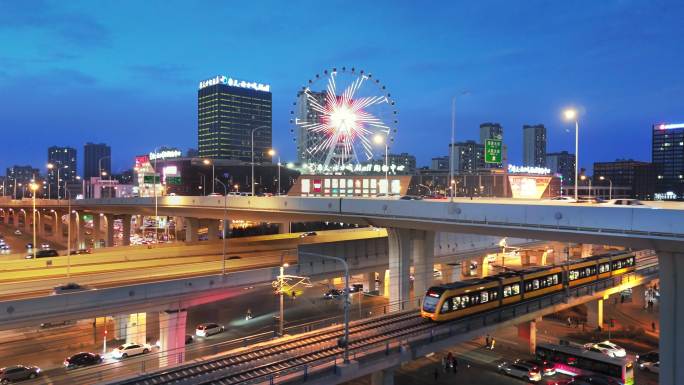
x: 97, y: 158
x: 667, y: 154
x: 64, y: 160
x: 534, y: 145
x: 228, y: 111
x: 563, y: 164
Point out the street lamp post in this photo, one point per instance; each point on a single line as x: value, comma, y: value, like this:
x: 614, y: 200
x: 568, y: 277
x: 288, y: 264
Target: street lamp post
x: 610, y: 188
x: 589, y: 179
x: 254, y: 130
x: 345, y: 341
x: 213, y: 174
x: 225, y: 224
x: 272, y: 153
x: 34, y: 188
x: 571, y: 114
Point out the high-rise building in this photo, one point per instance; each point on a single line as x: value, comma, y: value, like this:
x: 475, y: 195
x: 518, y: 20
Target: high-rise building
x: 62, y: 159
x: 97, y: 158
x: 404, y: 159
x: 440, y: 163
x: 468, y: 156
x: 562, y: 163
x: 534, y: 145
x: 620, y: 173
x: 305, y: 138
x: 18, y: 178
x: 228, y: 112
x: 490, y: 131
x: 667, y: 154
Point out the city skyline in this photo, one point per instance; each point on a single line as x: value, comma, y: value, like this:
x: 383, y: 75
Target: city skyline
x: 520, y: 73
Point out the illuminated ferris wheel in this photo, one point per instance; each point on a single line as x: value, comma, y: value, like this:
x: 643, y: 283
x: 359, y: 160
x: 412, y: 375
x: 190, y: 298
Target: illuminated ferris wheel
x: 343, y: 117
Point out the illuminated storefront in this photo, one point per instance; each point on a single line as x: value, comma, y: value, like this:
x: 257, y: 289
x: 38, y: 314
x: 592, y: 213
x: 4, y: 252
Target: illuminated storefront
x: 350, y: 185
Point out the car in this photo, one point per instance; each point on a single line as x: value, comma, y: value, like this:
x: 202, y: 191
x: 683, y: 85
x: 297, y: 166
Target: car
x: 307, y: 234
x: 4, y: 248
x: 46, y: 325
x: 130, y: 349
x: 625, y: 202
x: 547, y: 368
x: 594, y: 379
x: 520, y: 369
x: 653, y: 356
x: 215, y: 195
x: 563, y: 199
x: 70, y: 287
x: 82, y: 359
x: 17, y: 232
x: 608, y: 348
x: 650, y: 366
x: 189, y: 338
x: 29, y: 245
x: 410, y: 198
x: 81, y: 251
x: 594, y: 200
x: 44, y: 254
x: 208, y: 329
x: 44, y: 245
x: 332, y: 294
x: 18, y: 373
x: 356, y: 287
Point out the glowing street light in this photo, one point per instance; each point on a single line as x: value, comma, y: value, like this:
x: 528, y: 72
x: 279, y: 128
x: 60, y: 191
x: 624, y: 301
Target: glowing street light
x: 571, y: 114
x: 584, y: 177
x: 208, y: 162
x: 272, y: 153
x: 610, y: 189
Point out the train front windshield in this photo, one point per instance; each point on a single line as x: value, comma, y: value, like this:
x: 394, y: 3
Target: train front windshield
x: 430, y: 303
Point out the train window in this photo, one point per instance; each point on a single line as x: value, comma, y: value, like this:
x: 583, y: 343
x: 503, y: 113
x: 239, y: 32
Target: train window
x: 474, y: 299
x: 604, y: 267
x: 511, y: 290
x: 573, y: 275
x: 484, y: 297
x: 446, y: 306
x: 493, y: 295
x: 457, y: 303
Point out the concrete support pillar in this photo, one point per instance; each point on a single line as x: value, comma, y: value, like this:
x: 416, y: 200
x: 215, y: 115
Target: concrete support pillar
x: 595, y: 313
x: 136, y: 328
x: 383, y: 285
x: 15, y: 218
x: 283, y: 228
x: 27, y: 220
x: 57, y: 230
x: 671, y: 317
x: 126, y: 229
x: 527, y: 331
x: 225, y: 228
x: 482, y: 267
x: 369, y: 281
x: 383, y: 377
x: 639, y: 295
x: 423, y: 251
x: 120, y: 326
x: 109, y: 239
x: 212, y: 229
x: 191, y: 227
x: 97, y: 229
x: 452, y: 272
x: 172, y: 336
x: 81, y: 231
x: 180, y: 224
x: 399, y: 248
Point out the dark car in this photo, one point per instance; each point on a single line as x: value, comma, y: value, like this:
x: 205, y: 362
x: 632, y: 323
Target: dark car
x: 356, y: 287
x: 332, y: 294
x: 648, y: 357
x: 547, y: 368
x: 594, y: 380
x: 82, y: 359
x: 18, y: 373
x: 411, y: 198
x: 44, y: 254
x: 189, y: 338
x: 307, y: 234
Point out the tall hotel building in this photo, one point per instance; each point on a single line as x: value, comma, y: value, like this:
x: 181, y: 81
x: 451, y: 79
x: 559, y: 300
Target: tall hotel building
x: 228, y: 110
x: 667, y: 153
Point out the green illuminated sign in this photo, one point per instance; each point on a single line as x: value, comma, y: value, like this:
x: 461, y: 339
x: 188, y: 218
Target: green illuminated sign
x: 150, y: 179
x: 492, y: 151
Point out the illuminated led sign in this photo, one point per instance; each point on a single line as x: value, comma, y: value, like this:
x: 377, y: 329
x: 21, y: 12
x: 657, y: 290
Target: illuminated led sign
x: 353, y: 168
x: 670, y: 126
x: 165, y: 154
x: 222, y: 79
x: 513, y: 169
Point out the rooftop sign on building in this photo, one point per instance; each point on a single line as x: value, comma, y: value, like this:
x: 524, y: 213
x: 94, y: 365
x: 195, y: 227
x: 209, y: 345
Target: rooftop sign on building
x: 222, y: 79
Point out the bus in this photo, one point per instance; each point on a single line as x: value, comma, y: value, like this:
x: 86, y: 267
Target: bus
x: 575, y: 361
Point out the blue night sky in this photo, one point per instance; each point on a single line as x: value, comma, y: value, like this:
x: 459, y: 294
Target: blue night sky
x: 126, y: 72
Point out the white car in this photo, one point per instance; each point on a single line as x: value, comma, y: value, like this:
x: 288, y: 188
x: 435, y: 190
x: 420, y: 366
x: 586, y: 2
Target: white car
x: 563, y: 199
x: 608, y: 348
x: 625, y: 202
x: 17, y: 232
x: 650, y: 366
x: 205, y: 330
x: 130, y: 349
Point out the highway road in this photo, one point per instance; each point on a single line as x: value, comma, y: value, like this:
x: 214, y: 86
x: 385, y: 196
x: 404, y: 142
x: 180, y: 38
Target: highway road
x: 47, y: 347
x: 21, y: 278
